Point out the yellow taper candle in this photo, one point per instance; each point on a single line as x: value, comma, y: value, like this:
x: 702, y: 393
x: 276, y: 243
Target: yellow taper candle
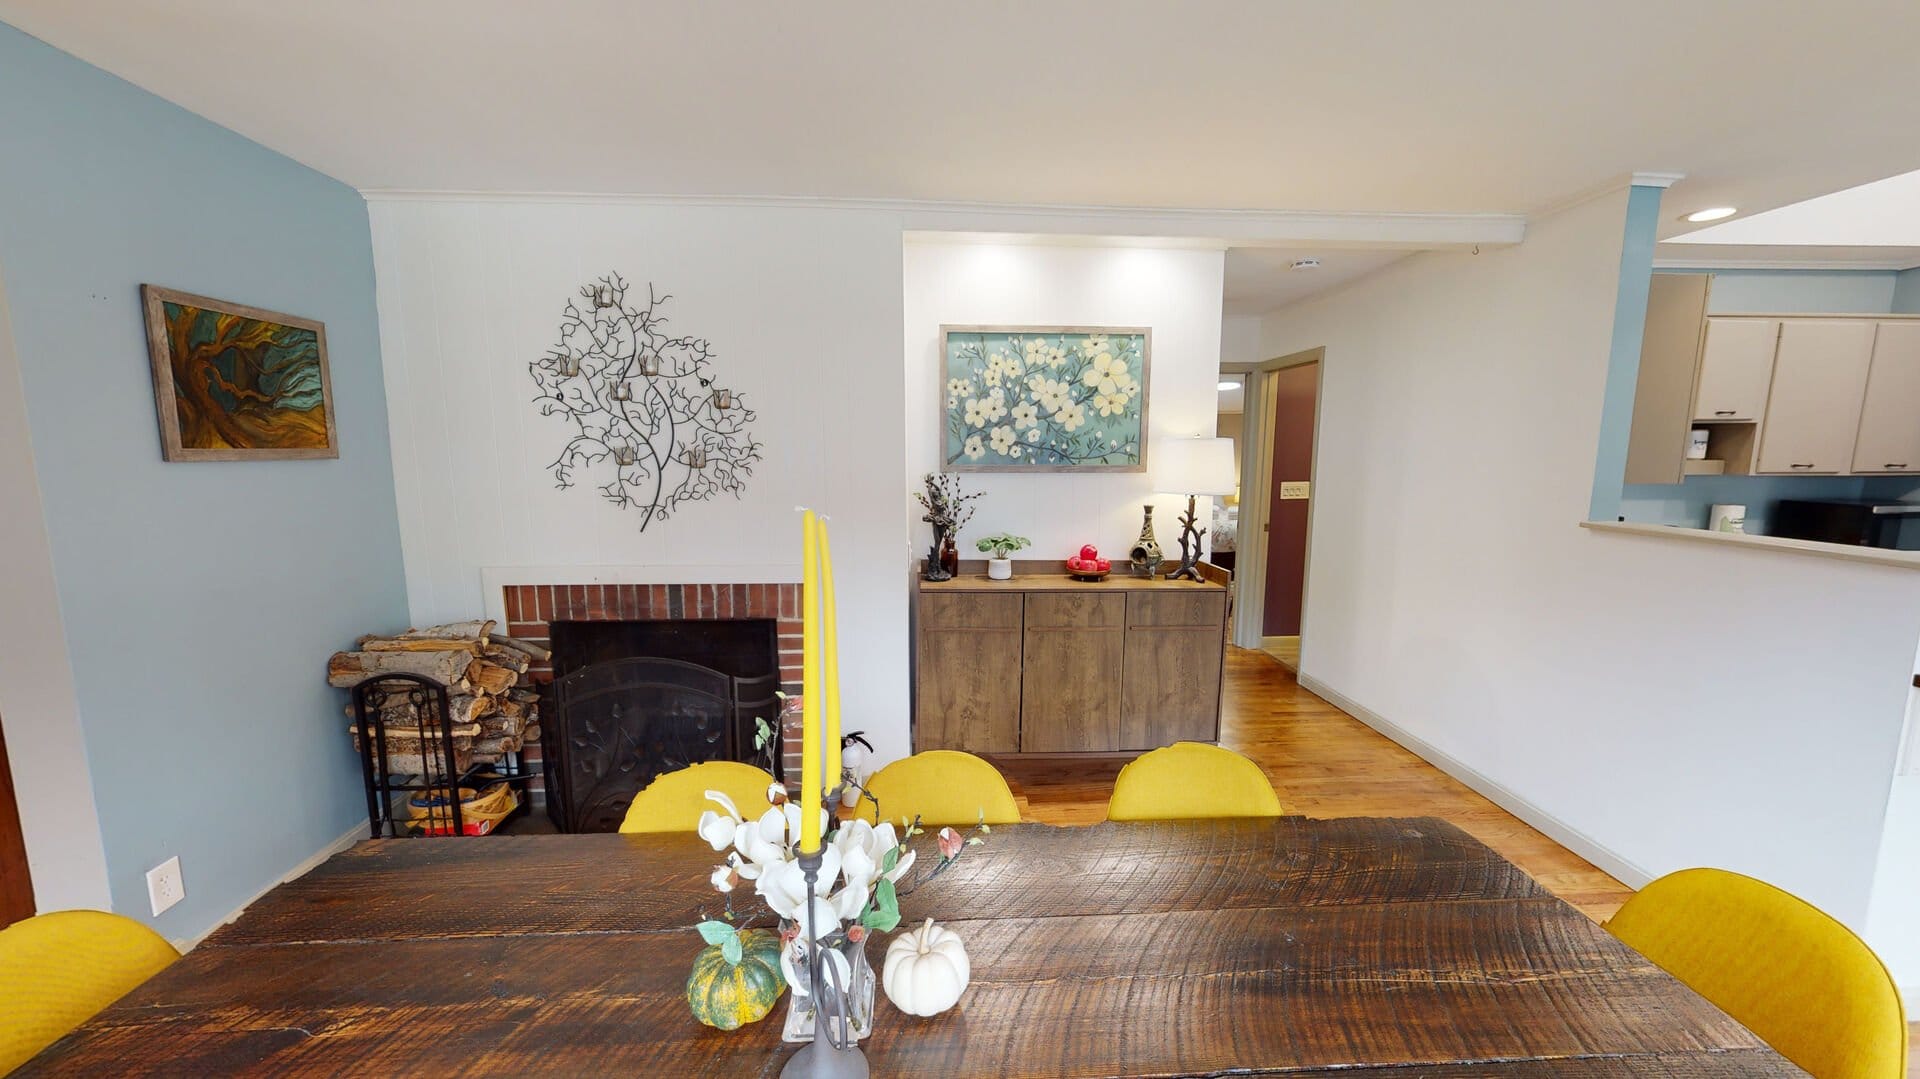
x: 810, y: 702
x: 830, y: 670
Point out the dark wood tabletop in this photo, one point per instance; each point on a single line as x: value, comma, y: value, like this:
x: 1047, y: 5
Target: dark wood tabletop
x: 1305, y: 947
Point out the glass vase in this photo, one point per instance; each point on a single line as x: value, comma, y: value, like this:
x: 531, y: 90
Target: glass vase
x: 849, y: 961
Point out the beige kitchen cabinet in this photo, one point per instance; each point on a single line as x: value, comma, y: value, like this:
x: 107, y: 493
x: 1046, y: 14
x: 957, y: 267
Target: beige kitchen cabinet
x: 1736, y: 366
x: 1813, y: 409
x: 1669, y: 366
x: 1889, y: 439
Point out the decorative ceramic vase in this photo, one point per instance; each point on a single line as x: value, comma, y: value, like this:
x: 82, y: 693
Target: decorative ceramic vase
x: 849, y: 961
x: 1000, y: 569
x: 1146, y: 549
x: 950, y: 558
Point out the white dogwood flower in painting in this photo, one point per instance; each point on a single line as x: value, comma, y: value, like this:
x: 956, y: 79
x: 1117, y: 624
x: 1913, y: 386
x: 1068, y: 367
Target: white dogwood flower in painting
x: 976, y: 412
x: 1110, y: 404
x: 1070, y: 416
x: 1002, y: 439
x: 1025, y: 415
x: 993, y: 408
x: 975, y: 449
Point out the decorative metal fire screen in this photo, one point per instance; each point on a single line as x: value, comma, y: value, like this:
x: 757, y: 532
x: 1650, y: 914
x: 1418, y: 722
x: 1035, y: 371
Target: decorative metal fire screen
x: 613, y: 726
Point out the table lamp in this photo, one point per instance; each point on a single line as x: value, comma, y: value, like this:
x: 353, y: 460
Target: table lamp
x: 1194, y: 467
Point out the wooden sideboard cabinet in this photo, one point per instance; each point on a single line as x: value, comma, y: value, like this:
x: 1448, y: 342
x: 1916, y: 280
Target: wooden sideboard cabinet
x: 1045, y: 664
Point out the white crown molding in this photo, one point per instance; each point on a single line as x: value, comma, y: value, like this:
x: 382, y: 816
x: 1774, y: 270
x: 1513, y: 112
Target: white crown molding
x: 1621, y: 182
x: 1655, y: 179
x: 1710, y: 265
x: 1237, y: 227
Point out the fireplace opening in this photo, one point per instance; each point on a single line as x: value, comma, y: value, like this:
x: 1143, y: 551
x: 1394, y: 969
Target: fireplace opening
x: 633, y: 699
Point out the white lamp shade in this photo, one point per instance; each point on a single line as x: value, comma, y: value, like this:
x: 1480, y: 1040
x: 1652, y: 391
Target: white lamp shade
x: 1196, y: 466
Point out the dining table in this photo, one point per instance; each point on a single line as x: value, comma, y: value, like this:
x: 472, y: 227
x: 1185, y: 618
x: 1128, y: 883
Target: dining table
x: 1358, y: 947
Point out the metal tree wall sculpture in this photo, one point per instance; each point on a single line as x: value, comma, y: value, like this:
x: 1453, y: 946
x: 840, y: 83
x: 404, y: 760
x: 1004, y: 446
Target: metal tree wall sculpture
x: 644, y: 406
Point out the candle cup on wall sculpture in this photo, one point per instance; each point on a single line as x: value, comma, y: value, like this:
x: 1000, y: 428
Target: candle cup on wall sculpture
x: 1146, y: 549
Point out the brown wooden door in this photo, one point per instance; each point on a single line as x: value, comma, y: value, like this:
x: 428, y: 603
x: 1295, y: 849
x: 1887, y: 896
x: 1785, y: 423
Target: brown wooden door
x: 1070, y: 689
x: 1295, y: 391
x: 1171, y: 690
x: 969, y: 673
x: 16, y: 883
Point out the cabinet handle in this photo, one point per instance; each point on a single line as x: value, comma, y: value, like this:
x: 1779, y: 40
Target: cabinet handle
x: 1725, y: 411
x: 1807, y: 465
x: 1893, y: 464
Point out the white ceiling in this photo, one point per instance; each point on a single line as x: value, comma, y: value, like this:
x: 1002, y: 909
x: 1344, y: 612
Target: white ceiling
x: 1388, y: 105
x: 1260, y: 279
x: 1883, y: 213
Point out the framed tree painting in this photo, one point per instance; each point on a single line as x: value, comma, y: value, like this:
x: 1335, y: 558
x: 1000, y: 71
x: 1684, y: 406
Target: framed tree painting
x: 1043, y: 398
x: 236, y: 383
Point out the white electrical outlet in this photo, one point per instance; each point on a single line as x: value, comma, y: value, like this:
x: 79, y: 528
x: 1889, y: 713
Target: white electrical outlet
x: 165, y: 886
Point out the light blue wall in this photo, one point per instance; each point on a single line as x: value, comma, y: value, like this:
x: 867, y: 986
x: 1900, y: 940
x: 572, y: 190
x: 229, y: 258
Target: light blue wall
x: 1825, y: 292
x: 1623, y: 362
x: 1906, y: 292
x: 201, y: 600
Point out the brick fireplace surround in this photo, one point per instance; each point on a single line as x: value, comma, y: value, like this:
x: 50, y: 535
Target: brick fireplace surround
x: 530, y: 609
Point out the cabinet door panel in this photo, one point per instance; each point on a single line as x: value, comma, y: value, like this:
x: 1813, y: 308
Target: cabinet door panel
x: 967, y: 667
x: 1172, y: 685
x: 1890, y: 419
x: 1736, y: 364
x: 1070, y: 686
x: 1198, y: 608
x: 1813, y: 411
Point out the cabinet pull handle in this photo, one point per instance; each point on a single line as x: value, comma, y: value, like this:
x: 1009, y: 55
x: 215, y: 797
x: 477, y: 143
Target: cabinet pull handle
x: 1725, y: 411
x: 1896, y: 464
x: 1807, y: 465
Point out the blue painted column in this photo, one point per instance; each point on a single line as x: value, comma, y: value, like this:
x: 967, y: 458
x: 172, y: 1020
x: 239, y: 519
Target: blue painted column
x: 1623, y: 363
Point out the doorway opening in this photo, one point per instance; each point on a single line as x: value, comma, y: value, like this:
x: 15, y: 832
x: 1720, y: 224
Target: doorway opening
x: 1280, y: 433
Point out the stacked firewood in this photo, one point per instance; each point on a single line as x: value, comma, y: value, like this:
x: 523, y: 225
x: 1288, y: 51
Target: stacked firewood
x: 493, y: 706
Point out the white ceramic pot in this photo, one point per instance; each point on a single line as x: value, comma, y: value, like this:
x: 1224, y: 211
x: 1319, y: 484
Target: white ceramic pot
x: 1000, y: 569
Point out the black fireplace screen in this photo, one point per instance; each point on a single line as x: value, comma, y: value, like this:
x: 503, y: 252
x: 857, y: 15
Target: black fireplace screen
x: 613, y: 726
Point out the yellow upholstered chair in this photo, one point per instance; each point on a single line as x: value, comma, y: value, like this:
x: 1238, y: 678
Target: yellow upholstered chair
x: 673, y: 802
x: 944, y: 786
x: 58, y: 970
x: 1782, y: 967
x: 1189, y: 780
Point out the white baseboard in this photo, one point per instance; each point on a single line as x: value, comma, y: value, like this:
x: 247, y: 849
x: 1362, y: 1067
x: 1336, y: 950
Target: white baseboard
x: 346, y: 839
x: 1621, y: 869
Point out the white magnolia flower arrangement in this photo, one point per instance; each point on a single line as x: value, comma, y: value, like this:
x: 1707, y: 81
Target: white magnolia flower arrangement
x: 855, y: 891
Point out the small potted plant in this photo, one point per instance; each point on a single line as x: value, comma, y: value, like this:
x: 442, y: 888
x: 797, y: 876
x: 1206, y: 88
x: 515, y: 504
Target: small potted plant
x: 997, y: 547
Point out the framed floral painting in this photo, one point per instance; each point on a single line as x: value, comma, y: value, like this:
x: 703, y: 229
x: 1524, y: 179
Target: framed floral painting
x: 1043, y: 398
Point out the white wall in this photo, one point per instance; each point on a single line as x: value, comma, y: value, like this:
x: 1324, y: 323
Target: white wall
x: 38, y: 705
x: 1176, y: 292
x: 1893, y: 924
x: 802, y: 307
x: 1664, y: 704
x: 1240, y: 340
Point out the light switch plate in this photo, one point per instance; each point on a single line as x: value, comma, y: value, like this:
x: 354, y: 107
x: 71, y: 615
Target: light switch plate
x: 1293, y: 490
x: 165, y: 885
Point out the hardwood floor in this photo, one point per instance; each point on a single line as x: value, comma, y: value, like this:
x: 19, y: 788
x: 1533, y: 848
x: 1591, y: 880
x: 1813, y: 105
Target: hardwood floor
x: 1284, y: 649
x: 1325, y: 763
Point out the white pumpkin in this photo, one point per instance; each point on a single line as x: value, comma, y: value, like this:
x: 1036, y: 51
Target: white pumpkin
x: 926, y: 970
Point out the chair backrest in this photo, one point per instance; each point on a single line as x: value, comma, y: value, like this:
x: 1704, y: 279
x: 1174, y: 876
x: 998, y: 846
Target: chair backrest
x: 58, y: 970
x: 1785, y: 969
x: 1189, y: 780
x: 943, y: 786
x: 674, y: 801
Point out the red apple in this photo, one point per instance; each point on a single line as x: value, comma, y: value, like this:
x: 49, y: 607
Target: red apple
x: 1102, y: 565
x: 1073, y: 564
x: 1090, y: 553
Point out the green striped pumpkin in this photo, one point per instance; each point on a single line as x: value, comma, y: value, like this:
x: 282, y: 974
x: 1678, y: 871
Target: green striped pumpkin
x: 728, y: 995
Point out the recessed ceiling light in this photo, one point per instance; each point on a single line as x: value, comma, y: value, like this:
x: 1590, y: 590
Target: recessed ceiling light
x: 1306, y: 264
x: 1713, y: 214
x: 1226, y: 386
